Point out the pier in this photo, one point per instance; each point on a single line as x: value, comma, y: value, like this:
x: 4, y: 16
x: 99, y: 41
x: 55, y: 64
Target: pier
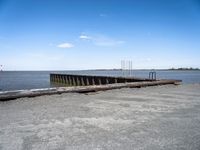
x: 84, y: 84
x: 85, y: 80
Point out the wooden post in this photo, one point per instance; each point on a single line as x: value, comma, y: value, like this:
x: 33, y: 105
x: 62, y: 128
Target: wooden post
x: 87, y: 80
x: 115, y: 80
x: 107, y: 81
x: 82, y: 81
x: 66, y: 80
x: 70, y: 80
x: 99, y: 81
x: 73, y: 81
x: 77, y: 81
x: 93, y: 82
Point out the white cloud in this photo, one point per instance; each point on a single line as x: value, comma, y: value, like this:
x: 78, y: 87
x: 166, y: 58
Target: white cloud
x: 101, y: 40
x: 85, y: 37
x: 65, y: 45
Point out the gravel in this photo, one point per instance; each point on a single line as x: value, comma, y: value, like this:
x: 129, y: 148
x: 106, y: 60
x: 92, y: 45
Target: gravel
x: 152, y: 118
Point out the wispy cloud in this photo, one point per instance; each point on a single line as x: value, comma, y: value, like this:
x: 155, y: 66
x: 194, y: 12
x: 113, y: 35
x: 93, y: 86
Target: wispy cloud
x: 85, y: 37
x: 65, y: 45
x: 101, y: 40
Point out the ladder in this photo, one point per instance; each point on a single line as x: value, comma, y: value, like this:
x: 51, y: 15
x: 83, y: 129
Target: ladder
x: 152, y: 75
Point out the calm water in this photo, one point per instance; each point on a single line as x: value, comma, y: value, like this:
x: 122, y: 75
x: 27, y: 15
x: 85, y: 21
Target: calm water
x: 17, y: 80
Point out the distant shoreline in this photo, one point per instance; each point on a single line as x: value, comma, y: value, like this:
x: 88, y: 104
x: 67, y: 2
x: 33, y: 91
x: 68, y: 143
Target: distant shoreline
x: 185, y: 69
x: 171, y: 69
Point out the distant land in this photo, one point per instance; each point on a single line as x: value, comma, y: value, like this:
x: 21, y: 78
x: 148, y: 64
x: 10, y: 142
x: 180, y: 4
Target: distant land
x: 115, y: 69
x: 184, y: 68
x: 181, y: 69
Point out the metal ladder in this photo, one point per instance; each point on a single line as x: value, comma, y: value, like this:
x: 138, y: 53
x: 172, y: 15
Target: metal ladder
x: 152, y: 75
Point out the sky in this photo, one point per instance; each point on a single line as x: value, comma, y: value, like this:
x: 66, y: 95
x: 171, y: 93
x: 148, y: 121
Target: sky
x: 98, y: 34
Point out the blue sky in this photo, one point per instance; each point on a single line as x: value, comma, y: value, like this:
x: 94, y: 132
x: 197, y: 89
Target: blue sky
x: 89, y: 34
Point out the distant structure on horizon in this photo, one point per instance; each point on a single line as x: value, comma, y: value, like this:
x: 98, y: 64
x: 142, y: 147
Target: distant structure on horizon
x: 126, y: 67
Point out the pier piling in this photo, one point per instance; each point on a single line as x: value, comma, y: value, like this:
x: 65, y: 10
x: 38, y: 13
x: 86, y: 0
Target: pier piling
x: 85, y: 80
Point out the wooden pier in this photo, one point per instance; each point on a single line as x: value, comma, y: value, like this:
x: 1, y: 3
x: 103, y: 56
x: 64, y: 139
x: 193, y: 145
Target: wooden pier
x: 84, y: 84
x: 85, y: 80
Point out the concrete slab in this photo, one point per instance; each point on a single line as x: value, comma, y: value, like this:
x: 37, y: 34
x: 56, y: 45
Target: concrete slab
x: 163, y: 117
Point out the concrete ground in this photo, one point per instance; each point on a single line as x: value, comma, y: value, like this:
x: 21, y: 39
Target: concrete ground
x: 152, y: 118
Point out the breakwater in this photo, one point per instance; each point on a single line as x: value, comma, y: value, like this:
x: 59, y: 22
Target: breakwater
x: 85, y: 80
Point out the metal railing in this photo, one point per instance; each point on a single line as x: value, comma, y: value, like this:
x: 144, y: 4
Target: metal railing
x: 152, y: 75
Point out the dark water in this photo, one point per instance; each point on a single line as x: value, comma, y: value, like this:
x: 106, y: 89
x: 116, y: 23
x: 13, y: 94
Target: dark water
x: 17, y: 80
